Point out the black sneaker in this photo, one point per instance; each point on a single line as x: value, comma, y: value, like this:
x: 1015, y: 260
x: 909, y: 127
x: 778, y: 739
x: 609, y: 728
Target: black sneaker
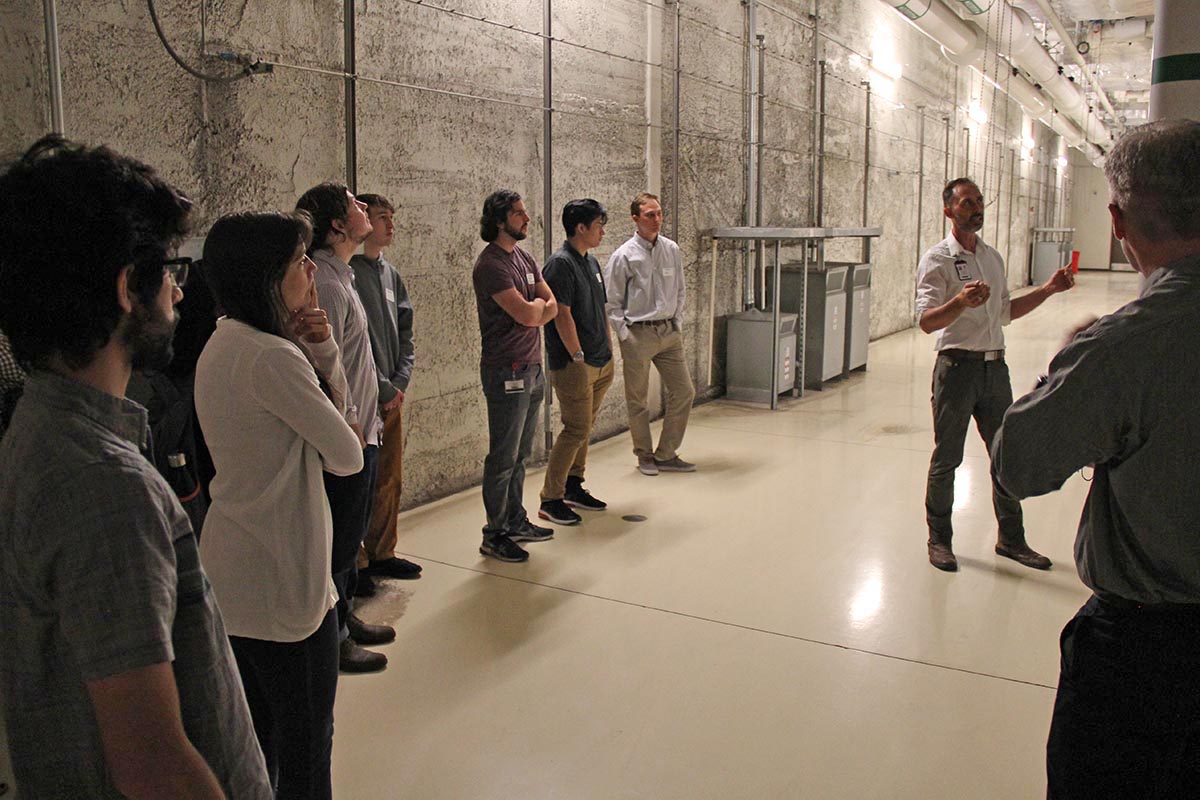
x: 579, y: 497
x: 503, y: 548
x: 557, y: 511
x: 528, y: 532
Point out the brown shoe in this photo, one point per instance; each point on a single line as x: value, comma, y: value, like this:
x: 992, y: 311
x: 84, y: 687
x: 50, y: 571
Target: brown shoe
x: 1023, y: 554
x: 942, y: 557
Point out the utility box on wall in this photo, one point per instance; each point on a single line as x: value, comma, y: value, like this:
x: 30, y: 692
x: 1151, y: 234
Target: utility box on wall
x: 748, y: 356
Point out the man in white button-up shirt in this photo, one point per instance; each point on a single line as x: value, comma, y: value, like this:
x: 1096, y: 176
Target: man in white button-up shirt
x: 646, y: 293
x: 955, y: 297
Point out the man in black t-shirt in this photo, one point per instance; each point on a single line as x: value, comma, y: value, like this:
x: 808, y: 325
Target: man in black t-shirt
x: 579, y: 350
x: 513, y: 301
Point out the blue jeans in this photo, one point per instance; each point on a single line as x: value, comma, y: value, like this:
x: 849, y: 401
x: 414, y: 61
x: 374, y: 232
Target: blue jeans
x: 512, y: 422
x: 350, y: 506
x: 290, y: 688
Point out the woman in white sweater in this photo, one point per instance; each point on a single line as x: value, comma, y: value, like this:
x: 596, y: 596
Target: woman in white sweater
x: 267, y: 388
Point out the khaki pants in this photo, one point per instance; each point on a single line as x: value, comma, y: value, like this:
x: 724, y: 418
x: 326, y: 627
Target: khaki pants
x: 380, y: 543
x: 659, y: 344
x: 580, y: 389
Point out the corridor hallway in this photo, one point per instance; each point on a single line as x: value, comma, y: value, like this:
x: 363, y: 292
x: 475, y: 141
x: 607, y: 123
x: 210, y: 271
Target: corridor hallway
x: 772, y: 630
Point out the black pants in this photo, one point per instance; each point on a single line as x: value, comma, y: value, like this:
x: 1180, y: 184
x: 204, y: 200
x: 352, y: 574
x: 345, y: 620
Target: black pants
x: 350, y: 506
x: 290, y: 688
x: 962, y: 389
x: 1127, y: 716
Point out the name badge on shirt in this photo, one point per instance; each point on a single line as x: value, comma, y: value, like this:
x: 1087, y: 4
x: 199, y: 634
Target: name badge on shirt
x: 599, y: 278
x: 668, y: 272
x: 960, y: 267
x: 515, y: 386
x: 391, y: 296
x: 529, y: 278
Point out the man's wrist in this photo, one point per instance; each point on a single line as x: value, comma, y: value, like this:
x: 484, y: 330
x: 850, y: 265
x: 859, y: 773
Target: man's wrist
x: 577, y: 356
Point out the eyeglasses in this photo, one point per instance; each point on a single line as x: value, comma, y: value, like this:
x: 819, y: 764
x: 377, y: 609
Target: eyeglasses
x: 177, y: 268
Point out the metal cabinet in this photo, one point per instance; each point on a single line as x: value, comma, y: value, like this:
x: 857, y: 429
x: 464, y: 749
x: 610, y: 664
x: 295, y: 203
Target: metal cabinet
x: 748, y: 356
x: 858, y: 324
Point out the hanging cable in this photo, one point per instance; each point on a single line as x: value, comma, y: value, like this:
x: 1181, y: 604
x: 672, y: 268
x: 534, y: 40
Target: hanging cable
x: 246, y: 71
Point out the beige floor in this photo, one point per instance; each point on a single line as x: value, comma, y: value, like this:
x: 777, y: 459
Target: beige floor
x: 772, y: 630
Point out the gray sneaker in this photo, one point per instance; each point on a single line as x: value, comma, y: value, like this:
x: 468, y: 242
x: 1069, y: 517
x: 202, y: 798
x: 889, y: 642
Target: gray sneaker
x: 647, y: 466
x: 675, y: 464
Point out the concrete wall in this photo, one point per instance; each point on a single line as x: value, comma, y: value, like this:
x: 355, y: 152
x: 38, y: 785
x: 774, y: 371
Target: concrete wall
x: 450, y: 107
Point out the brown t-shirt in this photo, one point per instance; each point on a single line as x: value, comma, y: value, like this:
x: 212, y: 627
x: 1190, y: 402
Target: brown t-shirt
x: 505, y: 341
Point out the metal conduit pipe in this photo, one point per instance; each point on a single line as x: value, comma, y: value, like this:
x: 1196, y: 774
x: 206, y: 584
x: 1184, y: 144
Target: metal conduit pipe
x: 50, y: 17
x: 963, y: 43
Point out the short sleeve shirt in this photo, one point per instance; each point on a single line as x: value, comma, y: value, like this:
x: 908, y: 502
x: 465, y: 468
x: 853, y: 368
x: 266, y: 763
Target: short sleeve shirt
x: 506, y: 342
x: 578, y: 284
x: 943, y: 271
x: 100, y: 575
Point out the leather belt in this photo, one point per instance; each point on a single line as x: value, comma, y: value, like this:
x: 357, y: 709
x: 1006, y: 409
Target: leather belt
x: 1122, y: 604
x: 652, y: 322
x: 957, y: 354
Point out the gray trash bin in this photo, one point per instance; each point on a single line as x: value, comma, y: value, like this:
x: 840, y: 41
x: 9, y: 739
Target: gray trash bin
x: 748, y: 356
x: 858, y: 317
x: 825, y: 325
x: 1047, y: 257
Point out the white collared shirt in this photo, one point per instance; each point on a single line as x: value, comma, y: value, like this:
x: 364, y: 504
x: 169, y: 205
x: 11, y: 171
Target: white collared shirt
x: 943, y: 271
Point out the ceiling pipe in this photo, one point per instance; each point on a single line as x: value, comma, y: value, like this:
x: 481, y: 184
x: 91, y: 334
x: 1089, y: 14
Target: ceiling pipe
x: 963, y: 43
x: 1069, y: 46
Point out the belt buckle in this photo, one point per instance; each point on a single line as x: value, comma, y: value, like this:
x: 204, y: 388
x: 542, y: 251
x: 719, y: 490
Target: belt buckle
x: 993, y: 355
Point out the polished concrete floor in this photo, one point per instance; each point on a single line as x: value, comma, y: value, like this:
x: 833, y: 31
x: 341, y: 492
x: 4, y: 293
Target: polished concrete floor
x: 771, y: 630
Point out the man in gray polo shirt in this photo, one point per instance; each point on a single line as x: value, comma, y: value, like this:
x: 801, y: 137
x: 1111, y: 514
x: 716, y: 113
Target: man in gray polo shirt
x: 1121, y: 397
x: 115, y: 670
x: 955, y: 297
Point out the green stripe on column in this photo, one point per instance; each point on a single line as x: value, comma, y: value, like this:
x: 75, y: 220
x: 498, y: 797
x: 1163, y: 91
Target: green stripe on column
x: 1182, y: 67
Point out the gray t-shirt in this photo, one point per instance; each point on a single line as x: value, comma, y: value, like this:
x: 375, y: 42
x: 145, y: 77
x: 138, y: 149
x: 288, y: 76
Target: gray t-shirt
x: 100, y: 575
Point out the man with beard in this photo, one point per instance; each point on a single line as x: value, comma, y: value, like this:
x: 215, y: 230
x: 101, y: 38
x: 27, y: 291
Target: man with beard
x: 340, y: 225
x: 513, y: 302
x: 115, y: 669
x: 955, y: 297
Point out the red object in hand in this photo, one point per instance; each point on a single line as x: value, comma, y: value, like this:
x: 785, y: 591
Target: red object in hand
x: 1074, y: 261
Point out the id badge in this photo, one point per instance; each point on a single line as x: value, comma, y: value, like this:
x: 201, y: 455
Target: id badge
x: 960, y: 267
x: 391, y: 296
x: 529, y: 278
x: 668, y: 272
x: 514, y: 386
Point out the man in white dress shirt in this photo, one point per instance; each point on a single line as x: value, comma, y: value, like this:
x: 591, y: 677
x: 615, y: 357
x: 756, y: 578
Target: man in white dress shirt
x: 646, y: 293
x: 955, y: 297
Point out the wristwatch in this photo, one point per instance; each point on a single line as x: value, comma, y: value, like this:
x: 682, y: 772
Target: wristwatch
x: 577, y: 356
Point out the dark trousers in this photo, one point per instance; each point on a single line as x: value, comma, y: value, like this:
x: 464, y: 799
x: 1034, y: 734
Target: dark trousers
x: 290, y: 688
x: 512, y: 422
x: 963, y: 389
x: 1127, y: 716
x: 350, y: 506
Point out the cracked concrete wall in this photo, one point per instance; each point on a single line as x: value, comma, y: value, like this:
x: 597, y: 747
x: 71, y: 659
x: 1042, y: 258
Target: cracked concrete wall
x: 450, y: 108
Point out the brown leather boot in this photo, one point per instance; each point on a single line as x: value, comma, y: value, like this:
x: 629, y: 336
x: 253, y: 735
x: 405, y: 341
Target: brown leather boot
x: 1023, y: 554
x: 942, y: 557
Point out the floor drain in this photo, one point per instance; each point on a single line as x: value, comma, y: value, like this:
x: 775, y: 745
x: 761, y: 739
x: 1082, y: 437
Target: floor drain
x: 634, y: 518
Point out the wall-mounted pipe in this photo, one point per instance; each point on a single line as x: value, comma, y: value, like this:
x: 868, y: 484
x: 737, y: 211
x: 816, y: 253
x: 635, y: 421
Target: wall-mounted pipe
x: 50, y: 16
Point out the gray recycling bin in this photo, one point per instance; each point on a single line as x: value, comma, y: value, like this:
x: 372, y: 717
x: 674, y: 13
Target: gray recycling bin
x: 1047, y: 257
x: 825, y: 324
x: 748, y: 356
x: 858, y: 317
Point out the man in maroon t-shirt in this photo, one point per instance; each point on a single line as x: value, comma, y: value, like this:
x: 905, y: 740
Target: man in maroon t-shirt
x: 513, y: 302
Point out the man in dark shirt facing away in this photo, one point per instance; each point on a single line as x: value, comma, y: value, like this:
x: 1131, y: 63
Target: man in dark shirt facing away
x: 1121, y: 398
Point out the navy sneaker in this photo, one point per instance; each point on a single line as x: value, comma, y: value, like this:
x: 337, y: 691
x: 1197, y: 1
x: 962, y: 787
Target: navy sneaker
x: 528, y: 532
x: 503, y: 548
